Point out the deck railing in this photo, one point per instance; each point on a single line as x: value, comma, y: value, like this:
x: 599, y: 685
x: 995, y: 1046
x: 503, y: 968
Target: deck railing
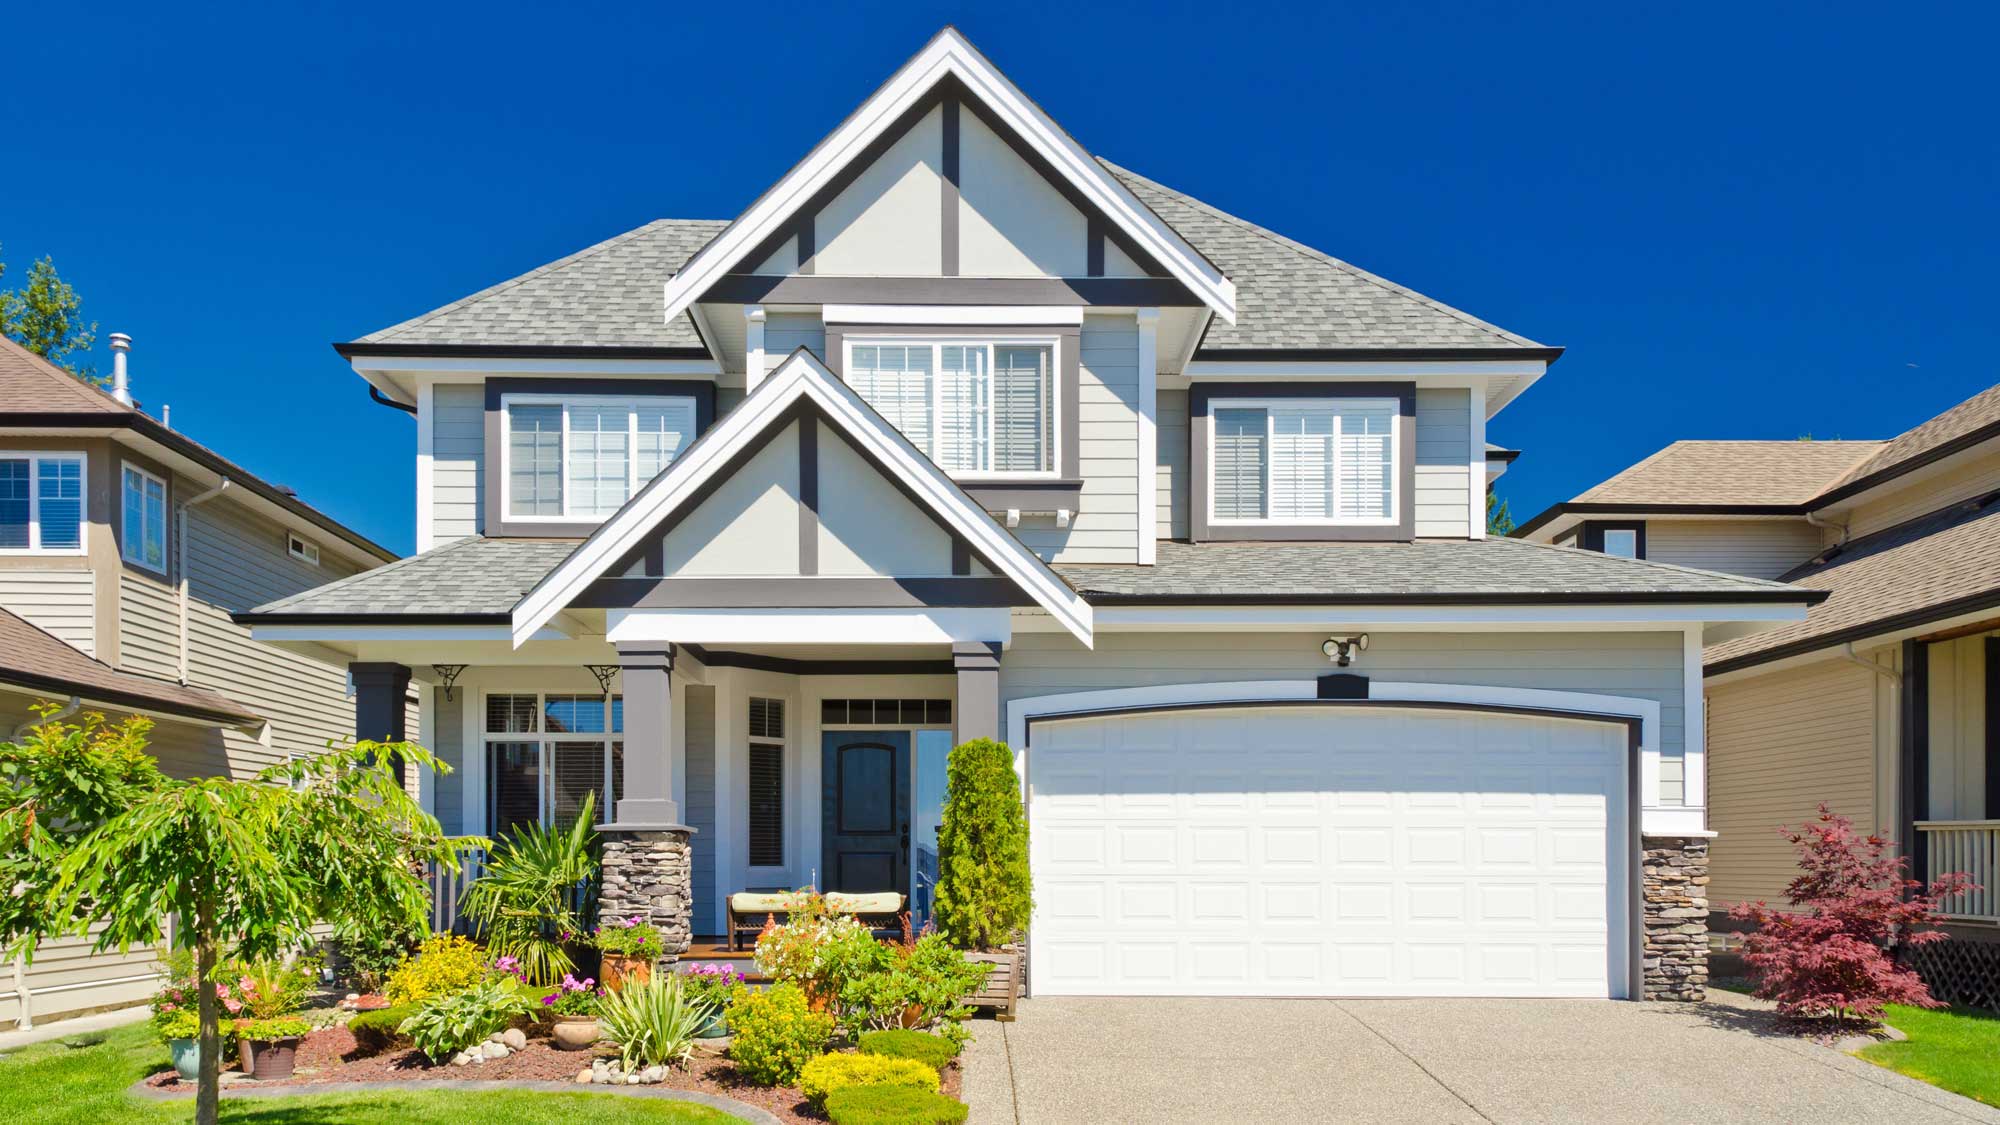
x: 1971, y: 846
x: 448, y: 889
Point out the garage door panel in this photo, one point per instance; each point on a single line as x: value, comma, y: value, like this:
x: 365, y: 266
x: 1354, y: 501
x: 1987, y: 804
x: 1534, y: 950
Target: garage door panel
x: 1288, y: 851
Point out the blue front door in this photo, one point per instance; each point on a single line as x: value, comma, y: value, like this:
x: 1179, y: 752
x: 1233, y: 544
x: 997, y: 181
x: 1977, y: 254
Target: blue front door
x: 865, y: 822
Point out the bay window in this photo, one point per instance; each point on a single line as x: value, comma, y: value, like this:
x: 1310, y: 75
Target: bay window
x: 975, y: 407
x: 41, y: 502
x: 582, y: 458
x: 1303, y: 461
x: 546, y: 752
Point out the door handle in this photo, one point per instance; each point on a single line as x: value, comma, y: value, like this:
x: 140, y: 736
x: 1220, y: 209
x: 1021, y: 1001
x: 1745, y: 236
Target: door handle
x: 906, y: 836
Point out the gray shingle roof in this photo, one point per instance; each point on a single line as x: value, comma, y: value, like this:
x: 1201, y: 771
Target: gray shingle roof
x: 471, y: 577
x: 609, y: 295
x: 1288, y: 295
x: 1499, y: 569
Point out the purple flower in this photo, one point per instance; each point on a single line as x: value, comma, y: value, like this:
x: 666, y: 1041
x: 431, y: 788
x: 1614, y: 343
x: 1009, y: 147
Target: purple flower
x: 549, y: 1000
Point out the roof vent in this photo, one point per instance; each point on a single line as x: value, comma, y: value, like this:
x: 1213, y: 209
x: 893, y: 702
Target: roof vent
x: 121, y: 389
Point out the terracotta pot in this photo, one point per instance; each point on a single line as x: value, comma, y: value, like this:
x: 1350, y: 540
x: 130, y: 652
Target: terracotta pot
x: 620, y: 971
x: 913, y: 1017
x: 270, y: 1059
x: 574, y: 1033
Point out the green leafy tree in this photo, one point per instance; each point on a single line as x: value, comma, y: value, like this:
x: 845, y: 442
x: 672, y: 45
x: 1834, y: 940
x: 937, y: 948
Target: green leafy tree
x: 1499, y: 521
x: 45, y: 317
x: 984, y: 892
x: 250, y: 866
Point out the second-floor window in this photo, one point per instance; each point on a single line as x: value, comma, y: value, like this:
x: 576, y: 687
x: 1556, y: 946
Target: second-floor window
x: 974, y: 407
x: 144, y: 517
x: 582, y: 458
x: 41, y: 502
x: 1304, y: 461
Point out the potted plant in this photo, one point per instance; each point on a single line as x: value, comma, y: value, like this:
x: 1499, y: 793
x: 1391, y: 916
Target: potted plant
x: 984, y: 893
x: 573, y: 1008
x: 180, y: 1030
x: 266, y: 992
x: 630, y: 948
x: 711, y: 984
x: 270, y: 1046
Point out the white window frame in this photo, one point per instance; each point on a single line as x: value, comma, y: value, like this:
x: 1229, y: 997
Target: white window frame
x: 35, y: 457
x: 1631, y: 536
x: 126, y: 548
x: 633, y: 484
x: 301, y: 548
x: 1336, y: 403
x: 544, y: 741
x: 939, y: 342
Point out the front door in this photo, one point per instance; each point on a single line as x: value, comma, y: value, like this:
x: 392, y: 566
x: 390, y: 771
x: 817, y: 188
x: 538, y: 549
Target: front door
x: 865, y: 811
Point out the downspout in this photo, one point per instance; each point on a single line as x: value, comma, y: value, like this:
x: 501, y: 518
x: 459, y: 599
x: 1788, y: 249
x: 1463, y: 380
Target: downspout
x: 1842, y: 529
x: 75, y: 704
x: 24, y: 1000
x: 181, y: 548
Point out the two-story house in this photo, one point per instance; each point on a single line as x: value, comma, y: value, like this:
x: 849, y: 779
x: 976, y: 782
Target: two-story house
x: 125, y: 546
x: 960, y: 431
x: 1880, y: 702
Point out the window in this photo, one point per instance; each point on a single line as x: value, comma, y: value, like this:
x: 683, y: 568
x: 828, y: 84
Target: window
x: 545, y: 753
x: 583, y: 458
x: 143, y: 519
x: 41, y: 502
x: 885, y: 712
x: 1303, y: 461
x: 1622, y: 542
x: 301, y: 549
x: 767, y: 782
x: 973, y: 407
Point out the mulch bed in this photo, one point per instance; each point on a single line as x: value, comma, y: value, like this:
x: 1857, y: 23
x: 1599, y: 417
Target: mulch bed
x: 328, y: 1055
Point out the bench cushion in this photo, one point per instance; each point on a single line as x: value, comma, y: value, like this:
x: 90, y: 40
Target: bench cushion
x: 881, y: 902
x: 759, y: 902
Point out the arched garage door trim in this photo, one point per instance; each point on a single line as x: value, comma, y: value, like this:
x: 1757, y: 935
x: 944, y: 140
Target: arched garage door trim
x: 1640, y: 717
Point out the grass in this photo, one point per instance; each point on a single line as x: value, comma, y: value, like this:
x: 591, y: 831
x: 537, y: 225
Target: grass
x: 1954, y: 1049
x: 85, y: 1085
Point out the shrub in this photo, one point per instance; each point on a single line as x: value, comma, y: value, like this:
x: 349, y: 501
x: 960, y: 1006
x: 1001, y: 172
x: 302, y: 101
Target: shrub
x: 827, y: 1073
x: 281, y: 1027
x: 930, y: 976
x: 1832, y: 956
x: 630, y: 937
x: 931, y: 1050
x: 775, y: 1033
x: 181, y: 1023
x: 818, y: 949
x: 984, y: 894
x: 893, y: 1105
x: 446, y: 1024
x: 444, y: 963
x: 525, y: 903
x: 379, y: 1031
x: 366, y: 955
x: 655, y: 1023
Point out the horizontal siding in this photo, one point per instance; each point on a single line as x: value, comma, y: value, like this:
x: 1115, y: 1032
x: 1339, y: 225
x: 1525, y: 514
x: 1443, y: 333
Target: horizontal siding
x: 1778, y: 745
x: 1171, y: 472
x: 458, y: 446
x: 1976, y: 477
x: 1752, y: 548
x: 1444, y: 444
x: 785, y: 333
x: 60, y: 602
x: 149, y: 638
x: 1644, y: 665
x: 1105, y: 529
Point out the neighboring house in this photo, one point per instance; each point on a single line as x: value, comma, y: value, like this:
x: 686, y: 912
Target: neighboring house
x: 124, y: 549
x: 1878, y: 702
x: 959, y: 431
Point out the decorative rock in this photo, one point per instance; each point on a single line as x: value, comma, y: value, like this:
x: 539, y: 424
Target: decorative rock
x: 653, y: 1074
x: 631, y: 1080
x: 1675, y: 880
x: 460, y: 1059
x: 498, y: 1050
x: 514, y: 1037
x: 585, y: 1077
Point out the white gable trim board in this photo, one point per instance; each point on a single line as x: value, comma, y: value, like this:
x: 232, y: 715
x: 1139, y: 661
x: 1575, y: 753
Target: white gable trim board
x: 801, y: 378
x: 949, y: 55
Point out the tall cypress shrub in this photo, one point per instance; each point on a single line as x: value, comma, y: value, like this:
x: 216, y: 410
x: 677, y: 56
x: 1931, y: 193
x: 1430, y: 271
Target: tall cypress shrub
x: 983, y: 890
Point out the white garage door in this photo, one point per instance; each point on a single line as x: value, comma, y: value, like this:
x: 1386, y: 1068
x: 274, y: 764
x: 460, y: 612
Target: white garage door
x: 1328, y: 851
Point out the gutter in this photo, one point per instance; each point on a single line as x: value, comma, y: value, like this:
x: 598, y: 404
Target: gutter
x: 181, y: 548
x: 1911, y: 619
x: 1606, y: 508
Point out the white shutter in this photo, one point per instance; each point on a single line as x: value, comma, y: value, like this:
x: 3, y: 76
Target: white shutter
x: 1366, y: 461
x: 1238, y: 468
x: 1022, y: 411
x: 663, y: 429
x: 534, y: 460
x: 896, y: 381
x: 599, y: 457
x: 1301, y: 485
x: 965, y: 394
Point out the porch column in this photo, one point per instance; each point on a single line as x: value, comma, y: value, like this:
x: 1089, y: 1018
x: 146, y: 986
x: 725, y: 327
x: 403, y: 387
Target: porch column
x: 978, y: 711
x: 646, y: 869
x: 380, y: 690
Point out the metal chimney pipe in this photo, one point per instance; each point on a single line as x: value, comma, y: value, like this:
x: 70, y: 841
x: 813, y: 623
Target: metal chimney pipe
x: 121, y: 390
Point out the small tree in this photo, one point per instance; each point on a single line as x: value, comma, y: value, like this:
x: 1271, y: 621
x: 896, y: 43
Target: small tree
x: 45, y: 316
x: 984, y: 894
x: 255, y: 864
x: 1833, y: 955
x: 1499, y: 521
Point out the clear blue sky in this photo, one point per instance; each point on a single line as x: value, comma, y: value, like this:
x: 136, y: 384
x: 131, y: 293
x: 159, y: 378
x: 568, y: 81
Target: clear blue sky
x: 1741, y: 221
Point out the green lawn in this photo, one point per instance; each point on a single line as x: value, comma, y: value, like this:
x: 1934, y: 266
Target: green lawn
x: 1958, y: 1050
x: 63, y: 1085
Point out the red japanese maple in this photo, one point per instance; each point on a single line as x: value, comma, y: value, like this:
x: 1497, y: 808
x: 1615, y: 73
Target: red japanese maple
x: 1832, y: 955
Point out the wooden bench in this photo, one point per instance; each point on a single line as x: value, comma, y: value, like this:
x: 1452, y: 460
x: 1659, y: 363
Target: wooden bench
x: 748, y: 910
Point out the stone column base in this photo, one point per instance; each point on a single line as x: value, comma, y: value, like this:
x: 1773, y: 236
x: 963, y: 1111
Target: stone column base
x: 648, y: 873
x: 1674, y: 880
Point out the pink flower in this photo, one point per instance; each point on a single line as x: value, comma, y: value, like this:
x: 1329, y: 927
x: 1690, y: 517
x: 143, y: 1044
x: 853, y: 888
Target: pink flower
x: 232, y: 1005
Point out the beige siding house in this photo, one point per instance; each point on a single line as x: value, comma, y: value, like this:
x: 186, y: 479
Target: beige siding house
x: 125, y: 548
x: 1880, y: 702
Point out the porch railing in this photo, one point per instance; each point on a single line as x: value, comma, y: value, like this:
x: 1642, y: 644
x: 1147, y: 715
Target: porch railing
x: 1971, y: 846
x: 448, y: 889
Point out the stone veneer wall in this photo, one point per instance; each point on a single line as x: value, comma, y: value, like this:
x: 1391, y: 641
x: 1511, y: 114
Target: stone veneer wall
x: 1675, y: 880
x: 650, y: 874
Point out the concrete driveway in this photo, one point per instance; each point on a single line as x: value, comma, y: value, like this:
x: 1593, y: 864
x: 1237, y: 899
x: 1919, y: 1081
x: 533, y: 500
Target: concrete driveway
x: 1113, y: 1060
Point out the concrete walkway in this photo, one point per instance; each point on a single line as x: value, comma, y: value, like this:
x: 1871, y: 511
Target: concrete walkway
x: 44, y: 1031
x: 1114, y: 1060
